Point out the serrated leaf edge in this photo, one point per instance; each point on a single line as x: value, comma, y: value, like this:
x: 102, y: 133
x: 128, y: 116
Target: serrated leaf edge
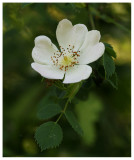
x: 48, y: 147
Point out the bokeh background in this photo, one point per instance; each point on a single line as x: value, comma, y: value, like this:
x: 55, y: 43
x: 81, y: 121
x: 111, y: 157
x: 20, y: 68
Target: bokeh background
x: 103, y: 112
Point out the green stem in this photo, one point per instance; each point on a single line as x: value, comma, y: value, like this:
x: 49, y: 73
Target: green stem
x: 66, y: 105
x: 74, y: 89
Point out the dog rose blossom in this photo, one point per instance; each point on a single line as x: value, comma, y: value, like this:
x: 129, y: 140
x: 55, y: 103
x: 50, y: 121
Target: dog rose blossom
x: 78, y: 47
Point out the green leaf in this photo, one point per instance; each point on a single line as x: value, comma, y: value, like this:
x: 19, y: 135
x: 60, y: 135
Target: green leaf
x: 109, y: 49
x: 72, y: 90
x: 113, y: 80
x: 48, y: 135
x: 73, y: 122
x: 107, y: 45
x: 61, y: 94
x: 109, y: 65
x: 48, y: 111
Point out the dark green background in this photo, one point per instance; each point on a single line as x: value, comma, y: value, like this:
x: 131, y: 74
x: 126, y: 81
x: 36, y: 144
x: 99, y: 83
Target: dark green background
x: 103, y: 112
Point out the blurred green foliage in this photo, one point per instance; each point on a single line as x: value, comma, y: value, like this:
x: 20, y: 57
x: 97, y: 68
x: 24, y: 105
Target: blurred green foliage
x: 103, y: 112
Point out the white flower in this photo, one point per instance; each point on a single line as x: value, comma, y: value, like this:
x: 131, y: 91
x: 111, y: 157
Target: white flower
x: 78, y: 47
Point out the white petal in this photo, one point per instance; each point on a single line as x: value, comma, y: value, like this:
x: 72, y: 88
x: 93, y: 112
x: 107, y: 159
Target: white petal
x: 48, y: 71
x: 92, y: 38
x: 43, y: 50
x: 63, y: 32
x: 91, y: 54
x: 78, y: 35
x: 77, y: 73
x: 67, y: 34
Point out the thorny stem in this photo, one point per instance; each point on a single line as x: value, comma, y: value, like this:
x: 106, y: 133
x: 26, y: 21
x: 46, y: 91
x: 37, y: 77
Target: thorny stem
x: 66, y: 105
x: 90, y: 17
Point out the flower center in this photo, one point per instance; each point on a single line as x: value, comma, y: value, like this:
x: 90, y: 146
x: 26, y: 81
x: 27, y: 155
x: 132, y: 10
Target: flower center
x: 66, y: 58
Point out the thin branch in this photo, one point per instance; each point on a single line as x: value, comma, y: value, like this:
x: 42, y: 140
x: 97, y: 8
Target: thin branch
x: 64, y: 110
